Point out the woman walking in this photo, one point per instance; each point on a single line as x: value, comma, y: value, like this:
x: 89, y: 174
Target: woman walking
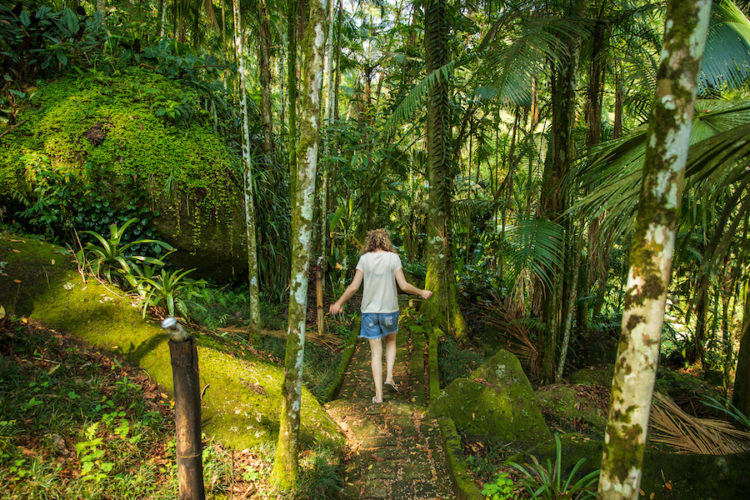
x: 380, y: 268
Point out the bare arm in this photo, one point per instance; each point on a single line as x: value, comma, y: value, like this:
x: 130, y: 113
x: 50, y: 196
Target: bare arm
x: 409, y: 288
x: 350, y: 290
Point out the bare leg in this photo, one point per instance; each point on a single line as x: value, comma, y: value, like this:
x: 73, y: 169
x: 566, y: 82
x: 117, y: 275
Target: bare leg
x: 390, y: 356
x: 376, y: 349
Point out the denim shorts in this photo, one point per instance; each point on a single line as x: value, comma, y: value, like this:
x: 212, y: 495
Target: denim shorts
x: 376, y: 325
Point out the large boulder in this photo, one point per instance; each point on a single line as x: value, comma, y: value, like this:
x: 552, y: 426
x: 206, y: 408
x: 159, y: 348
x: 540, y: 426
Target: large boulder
x: 131, y: 144
x: 497, y: 401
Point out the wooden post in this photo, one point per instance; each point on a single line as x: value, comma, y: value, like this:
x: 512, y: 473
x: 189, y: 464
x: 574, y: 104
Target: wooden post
x: 187, y: 411
x: 319, y: 296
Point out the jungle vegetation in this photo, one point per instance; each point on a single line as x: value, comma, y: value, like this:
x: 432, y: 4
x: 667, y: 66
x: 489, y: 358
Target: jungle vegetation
x: 502, y: 144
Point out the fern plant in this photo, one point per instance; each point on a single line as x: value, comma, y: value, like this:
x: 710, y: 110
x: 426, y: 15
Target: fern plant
x: 546, y: 481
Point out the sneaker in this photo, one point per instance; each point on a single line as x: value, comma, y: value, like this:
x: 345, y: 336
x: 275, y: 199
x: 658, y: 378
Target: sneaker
x: 392, y: 386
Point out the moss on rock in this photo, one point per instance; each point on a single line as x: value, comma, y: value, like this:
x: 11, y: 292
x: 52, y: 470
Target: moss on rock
x: 563, y: 403
x: 241, y: 406
x: 134, y: 128
x: 593, y: 375
x: 497, y: 401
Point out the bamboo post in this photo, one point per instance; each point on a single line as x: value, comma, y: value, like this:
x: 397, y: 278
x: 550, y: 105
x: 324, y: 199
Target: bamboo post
x: 187, y: 411
x: 319, y: 295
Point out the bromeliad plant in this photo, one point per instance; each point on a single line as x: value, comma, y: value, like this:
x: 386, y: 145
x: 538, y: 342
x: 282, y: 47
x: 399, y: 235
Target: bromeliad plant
x: 171, y: 290
x: 112, y: 255
x: 546, y: 481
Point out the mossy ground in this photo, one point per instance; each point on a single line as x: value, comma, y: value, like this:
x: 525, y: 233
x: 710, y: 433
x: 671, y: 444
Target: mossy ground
x: 241, y: 404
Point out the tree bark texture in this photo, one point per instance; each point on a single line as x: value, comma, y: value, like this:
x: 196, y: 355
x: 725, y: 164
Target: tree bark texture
x: 264, y: 66
x: 285, y: 470
x: 653, y: 248
x: 187, y: 415
x: 252, y: 254
x: 442, y: 310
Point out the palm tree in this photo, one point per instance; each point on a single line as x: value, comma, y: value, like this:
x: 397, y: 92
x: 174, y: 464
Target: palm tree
x: 442, y: 310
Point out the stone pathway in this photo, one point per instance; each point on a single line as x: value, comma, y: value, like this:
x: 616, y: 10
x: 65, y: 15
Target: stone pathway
x: 395, y: 452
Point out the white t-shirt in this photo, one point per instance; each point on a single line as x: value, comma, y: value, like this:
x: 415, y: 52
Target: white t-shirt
x: 380, y: 294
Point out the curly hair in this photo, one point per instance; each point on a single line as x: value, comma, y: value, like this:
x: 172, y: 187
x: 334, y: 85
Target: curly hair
x: 378, y: 239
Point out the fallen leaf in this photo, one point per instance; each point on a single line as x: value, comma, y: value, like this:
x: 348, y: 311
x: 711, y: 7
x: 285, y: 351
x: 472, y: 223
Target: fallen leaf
x: 17, y: 251
x: 376, y: 458
x: 17, y: 281
x: 668, y: 485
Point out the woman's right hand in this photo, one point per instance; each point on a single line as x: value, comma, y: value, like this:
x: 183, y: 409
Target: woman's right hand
x: 335, y: 308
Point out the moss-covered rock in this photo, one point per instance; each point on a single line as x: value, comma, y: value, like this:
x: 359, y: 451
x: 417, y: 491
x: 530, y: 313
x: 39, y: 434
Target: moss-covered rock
x: 593, y: 375
x: 497, y: 401
x: 134, y: 129
x: 242, y: 403
x: 665, y: 475
x: 563, y: 403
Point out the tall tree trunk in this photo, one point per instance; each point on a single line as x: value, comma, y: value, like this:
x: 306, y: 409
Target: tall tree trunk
x: 285, y: 469
x: 264, y: 66
x: 291, y: 75
x: 162, y: 17
x: 442, y: 310
x: 653, y: 248
x: 252, y: 254
x: 554, y: 197
x: 329, y: 103
x: 741, y: 395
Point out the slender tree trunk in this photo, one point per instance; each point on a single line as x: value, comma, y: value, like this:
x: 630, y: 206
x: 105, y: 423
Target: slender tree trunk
x: 285, y: 469
x: 442, y: 310
x: 619, y: 100
x: 264, y: 66
x: 329, y: 103
x: 252, y: 254
x: 653, y: 248
x: 291, y: 75
x: 570, y: 306
x: 162, y: 17
x: 741, y: 395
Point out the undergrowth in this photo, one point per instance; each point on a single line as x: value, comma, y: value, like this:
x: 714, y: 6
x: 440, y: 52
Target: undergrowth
x: 77, y: 424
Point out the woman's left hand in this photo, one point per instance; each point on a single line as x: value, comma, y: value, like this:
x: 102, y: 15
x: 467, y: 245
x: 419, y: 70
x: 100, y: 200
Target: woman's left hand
x: 335, y: 308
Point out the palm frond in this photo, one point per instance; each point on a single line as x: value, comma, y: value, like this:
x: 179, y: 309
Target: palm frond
x: 727, y: 55
x: 688, y: 434
x: 613, y: 173
x: 537, y: 245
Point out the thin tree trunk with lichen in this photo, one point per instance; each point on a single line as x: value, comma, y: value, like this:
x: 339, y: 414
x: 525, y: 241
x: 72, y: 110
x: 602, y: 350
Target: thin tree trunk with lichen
x: 653, y: 248
x: 252, y: 255
x: 442, y: 310
x: 285, y: 469
x: 264, y: 67
x: 291, y: 76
